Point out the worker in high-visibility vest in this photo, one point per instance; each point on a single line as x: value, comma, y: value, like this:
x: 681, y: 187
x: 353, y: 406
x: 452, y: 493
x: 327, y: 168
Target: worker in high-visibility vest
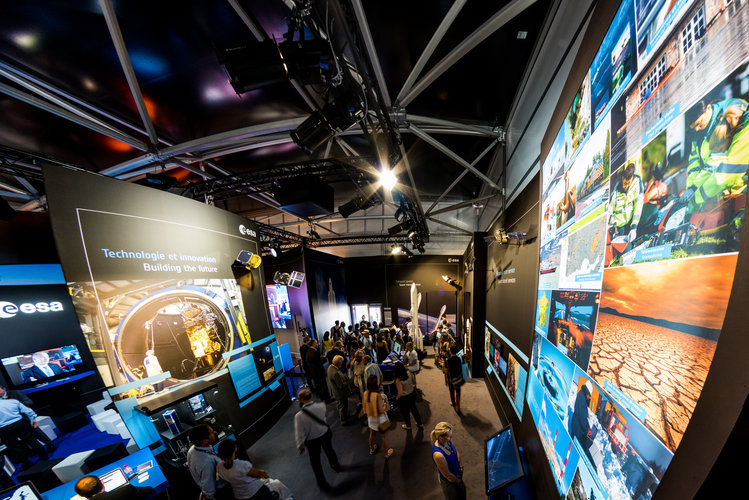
x: 719, y: 156
x: 625, y: 204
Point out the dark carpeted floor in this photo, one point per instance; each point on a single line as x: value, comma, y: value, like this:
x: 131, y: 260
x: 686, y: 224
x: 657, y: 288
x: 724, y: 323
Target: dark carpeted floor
x: 410, y: 473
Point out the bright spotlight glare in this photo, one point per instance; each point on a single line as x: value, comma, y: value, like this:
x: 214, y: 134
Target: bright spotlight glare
x: 395, y: 250
x: 387, y: 179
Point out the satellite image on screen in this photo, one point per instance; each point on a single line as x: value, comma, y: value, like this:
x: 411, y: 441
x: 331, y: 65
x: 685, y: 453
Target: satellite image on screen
x: 502, y: 460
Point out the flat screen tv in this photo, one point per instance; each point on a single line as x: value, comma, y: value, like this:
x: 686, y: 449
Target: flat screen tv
x: 45, y: 365
x: 244, y: 375
x: 251, y: 370
x: 501, y: 460
x: 278, y: 305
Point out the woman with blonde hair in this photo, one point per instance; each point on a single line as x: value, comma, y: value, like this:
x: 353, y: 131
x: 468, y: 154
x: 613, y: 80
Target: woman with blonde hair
x: 447, y: 460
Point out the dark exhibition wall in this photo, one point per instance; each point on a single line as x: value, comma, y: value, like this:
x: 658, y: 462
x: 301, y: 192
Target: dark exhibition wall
x: 152, y: 273
x: 326, y: 283
x: 634, y: 382
x: 511, y: 278
x: 367, y: 283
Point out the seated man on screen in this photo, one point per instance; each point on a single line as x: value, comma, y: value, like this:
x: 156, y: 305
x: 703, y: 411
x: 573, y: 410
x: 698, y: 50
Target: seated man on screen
x: 41, y: 368
x: 92, y: 487
x: 25, y: 400
x: 16, y: 432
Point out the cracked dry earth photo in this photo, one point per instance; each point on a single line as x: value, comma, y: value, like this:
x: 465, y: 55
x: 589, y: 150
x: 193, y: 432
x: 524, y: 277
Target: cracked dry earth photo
x: 657, y: 331
x: 661, y: 369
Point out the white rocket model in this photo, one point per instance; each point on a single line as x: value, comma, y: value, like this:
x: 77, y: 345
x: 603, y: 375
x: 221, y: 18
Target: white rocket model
x: 331, y: 303
x: 415, y: 331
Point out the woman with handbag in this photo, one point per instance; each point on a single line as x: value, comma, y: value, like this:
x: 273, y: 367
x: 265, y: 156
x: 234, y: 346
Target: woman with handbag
x: 454, y: 377
x: 404, y: 383
x: 377, y: 419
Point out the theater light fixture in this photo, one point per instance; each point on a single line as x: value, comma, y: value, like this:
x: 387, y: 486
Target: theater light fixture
x: 387, y: 178
x: 358, y: 203
x: 450, y: 281
x: 249, y: 259
x: 253, y: 66
x: 398, y: 249
x: 274, y: 247
x: 312, y: 233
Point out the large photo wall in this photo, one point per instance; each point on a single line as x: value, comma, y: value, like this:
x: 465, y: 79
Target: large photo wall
x: 643, y: 196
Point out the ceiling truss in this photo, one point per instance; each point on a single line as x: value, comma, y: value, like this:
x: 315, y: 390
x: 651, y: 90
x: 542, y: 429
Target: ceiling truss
x: 388, y: 118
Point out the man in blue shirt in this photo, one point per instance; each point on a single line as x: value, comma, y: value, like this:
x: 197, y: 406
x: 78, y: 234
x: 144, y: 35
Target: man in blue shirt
x: 25, y: 400
x: 17, y: 433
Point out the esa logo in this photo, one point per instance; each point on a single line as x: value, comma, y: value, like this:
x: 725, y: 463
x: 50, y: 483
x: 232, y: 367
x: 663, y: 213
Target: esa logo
x: 452, y: 259
x: 9, y: 309
x: 246, y: 231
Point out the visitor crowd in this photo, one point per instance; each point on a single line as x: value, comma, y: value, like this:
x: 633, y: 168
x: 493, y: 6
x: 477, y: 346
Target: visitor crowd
x: 355, y: 358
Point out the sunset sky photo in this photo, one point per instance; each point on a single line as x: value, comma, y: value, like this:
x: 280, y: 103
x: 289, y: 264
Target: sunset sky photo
x: 692, y: 291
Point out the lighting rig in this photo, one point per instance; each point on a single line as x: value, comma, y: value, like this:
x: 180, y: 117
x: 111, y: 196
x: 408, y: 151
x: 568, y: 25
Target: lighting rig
x: 411, y: 221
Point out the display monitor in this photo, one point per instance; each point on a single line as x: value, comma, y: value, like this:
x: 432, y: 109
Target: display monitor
x: 113, y: 479
x: 25, y: 491
x: 244, y: 375
x: 397, y: 347
x: 501, y: 460
x: 278, y: 305
x: 29, y: 369
x: 252, y: 369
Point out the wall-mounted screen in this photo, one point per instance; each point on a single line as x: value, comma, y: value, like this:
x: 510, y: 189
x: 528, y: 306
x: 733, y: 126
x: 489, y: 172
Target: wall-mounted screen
x: 640, y: 232
x: 501, y: 460
x: 244, y: 375
x: 41, y: 366
x: 278, y: 305
x: 255, y: 367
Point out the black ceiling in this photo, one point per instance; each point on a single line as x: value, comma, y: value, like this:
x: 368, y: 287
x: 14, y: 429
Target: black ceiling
x: 66, y: 49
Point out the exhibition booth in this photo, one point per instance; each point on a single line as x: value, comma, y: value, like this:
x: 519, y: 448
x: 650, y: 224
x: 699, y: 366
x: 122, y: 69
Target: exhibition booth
x: 602, y: 308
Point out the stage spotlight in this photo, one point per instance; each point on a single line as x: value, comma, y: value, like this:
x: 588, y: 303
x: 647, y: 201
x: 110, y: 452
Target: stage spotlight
x: 353, y: 206
x: 400, y: 214
x: 314, y: 234
x: 387, y: 179
x: 392, y: 231
x: 397, y: 249
x: 274, y: 247
x: 313, y: 132
x: 450, y: 281
x: 249, y: 260
x: 322, y: 125
x: 253, y: 67
x: 412, y: 234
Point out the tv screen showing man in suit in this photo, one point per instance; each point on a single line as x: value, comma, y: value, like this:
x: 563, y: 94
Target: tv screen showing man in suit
x: 41, y: 365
